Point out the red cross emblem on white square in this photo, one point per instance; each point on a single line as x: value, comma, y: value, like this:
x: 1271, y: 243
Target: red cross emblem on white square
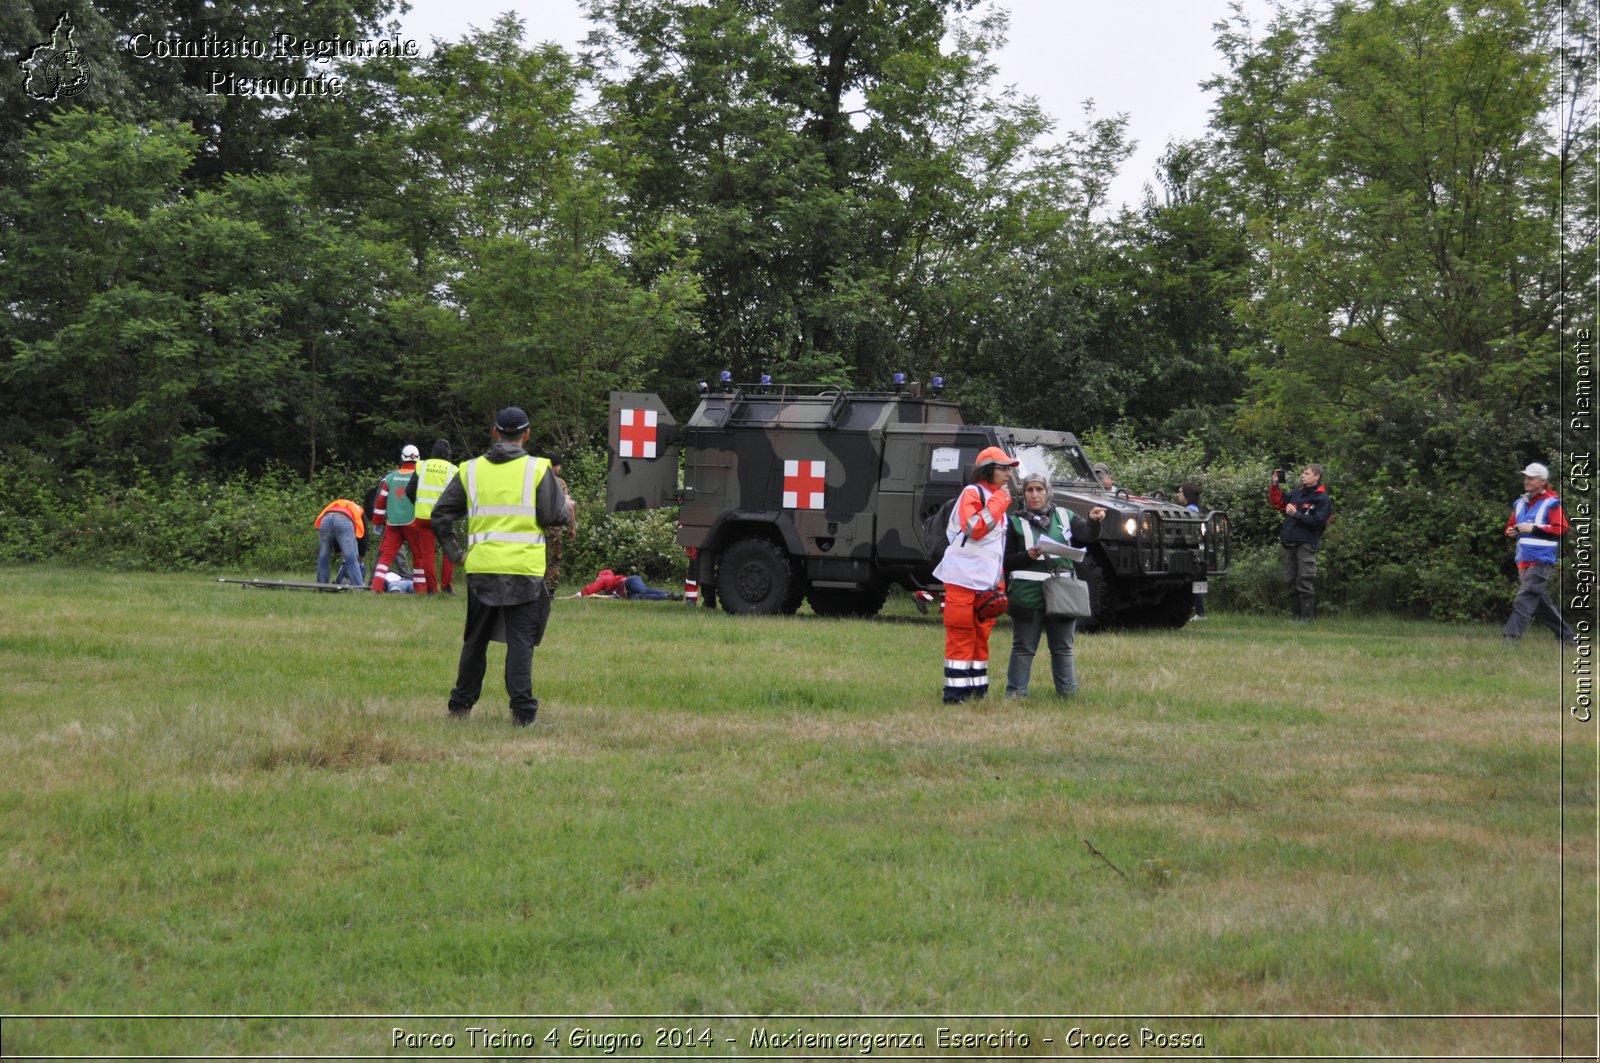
x: 636, y: 437
x: 803, y: 484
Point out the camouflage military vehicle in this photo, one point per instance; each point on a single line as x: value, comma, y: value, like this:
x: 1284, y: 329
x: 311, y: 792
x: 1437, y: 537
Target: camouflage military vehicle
x: 792, y: 494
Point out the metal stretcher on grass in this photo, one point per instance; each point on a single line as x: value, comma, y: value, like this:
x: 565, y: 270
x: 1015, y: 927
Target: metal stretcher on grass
x: 291, y: 585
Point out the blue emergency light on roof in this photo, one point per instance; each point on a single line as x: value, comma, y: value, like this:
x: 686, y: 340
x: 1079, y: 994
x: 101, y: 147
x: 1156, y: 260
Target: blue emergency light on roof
x: 725, y: 377
x: 899, y: 381
x: 937, y: 385
x: 766, y: 380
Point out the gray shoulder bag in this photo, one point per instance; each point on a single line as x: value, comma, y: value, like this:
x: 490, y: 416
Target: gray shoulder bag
x: 1065, y: 595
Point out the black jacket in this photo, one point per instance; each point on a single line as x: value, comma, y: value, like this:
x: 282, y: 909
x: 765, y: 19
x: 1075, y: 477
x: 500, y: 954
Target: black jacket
x: 1312, y: 506
x: 1084, y: 531
x: 549, y: 505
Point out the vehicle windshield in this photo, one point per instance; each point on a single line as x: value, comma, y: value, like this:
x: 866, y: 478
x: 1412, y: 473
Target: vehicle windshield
x: 1060, y: 463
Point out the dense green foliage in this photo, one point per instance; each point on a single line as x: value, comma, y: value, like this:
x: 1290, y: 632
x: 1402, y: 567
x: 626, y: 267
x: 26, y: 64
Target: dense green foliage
x: 257, y: 523
x: 1465, y: 573
x: 1363, y: 263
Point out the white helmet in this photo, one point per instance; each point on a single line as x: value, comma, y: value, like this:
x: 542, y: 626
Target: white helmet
x: 410, y: 453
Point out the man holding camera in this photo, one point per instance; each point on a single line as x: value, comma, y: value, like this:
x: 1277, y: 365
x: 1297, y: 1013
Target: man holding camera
x: 1305, y: 514
x: 1537, y: 524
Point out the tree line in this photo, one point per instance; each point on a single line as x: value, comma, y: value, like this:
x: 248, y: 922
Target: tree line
x: 1362, y: 262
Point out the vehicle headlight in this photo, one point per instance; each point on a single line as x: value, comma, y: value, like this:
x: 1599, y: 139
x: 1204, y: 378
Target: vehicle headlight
x: 1130, y: 527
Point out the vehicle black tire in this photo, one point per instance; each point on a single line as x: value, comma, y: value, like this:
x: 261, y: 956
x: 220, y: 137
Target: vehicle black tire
x: 1102, y: 596
x: 797, y: 592
x: 840, y: 601
x: 1171, y: 610
x: 1174, y: 608
x: 754, y: 577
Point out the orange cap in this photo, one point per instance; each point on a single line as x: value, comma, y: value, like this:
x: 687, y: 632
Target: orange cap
x: 996, y: 456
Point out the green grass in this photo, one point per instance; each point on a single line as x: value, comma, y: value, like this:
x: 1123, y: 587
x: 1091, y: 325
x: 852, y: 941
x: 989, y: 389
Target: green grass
x: 221, y: 800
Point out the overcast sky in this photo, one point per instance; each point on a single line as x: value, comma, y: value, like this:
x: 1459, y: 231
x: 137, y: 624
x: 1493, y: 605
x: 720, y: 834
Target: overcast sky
x: 1142, y: 58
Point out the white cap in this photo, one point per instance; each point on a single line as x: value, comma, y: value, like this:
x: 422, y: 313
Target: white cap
x: 410, y: 453
x: 1537, y: 470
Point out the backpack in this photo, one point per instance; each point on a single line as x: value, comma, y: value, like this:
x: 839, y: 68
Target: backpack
x: 933, y: 529
x: 935, y: 539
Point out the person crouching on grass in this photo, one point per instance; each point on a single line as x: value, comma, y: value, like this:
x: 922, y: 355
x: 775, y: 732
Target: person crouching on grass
x: 971, y: 565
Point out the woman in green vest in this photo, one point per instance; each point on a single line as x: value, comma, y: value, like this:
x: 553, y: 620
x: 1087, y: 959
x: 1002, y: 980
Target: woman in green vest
x: 1027, y: 567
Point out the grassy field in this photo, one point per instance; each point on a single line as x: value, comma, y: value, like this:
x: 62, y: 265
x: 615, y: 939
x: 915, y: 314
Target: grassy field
x: 225, y: 801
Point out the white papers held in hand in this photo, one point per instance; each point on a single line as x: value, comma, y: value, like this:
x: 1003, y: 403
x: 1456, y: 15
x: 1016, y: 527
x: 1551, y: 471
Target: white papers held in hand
x: 1052, y: 548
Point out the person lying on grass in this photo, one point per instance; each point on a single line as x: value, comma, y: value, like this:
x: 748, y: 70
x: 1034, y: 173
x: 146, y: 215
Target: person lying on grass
x: 612, y: 585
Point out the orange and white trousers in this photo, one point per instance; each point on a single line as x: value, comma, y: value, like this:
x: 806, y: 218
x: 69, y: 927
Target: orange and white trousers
x: 966, y: 646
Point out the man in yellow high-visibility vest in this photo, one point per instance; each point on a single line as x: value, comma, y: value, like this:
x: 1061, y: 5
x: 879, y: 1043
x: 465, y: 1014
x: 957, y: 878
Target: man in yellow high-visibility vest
x: 426, y: 486
x: 509, y: 498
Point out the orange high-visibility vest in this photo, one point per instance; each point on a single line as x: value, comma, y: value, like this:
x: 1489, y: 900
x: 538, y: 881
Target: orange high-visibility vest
x: 349, y: 509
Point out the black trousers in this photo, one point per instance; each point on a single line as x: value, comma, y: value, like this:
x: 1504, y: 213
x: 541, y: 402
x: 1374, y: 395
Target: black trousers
x: 524, y: 629
x: 1300, y: 576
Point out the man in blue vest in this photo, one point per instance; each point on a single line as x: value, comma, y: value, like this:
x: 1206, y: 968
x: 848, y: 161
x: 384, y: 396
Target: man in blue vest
x: 509, y: 499
x: 1537, y: 524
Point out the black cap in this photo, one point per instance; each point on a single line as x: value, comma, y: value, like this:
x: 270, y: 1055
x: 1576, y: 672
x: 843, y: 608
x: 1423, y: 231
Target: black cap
x: 511, y: 420
x: 441, y: 448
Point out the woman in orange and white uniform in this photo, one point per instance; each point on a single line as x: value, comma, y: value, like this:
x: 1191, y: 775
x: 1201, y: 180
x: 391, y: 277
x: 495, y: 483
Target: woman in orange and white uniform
x: 972, y: 564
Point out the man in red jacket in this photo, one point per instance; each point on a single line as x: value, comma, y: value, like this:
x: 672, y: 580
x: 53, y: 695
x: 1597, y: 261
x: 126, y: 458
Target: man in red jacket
x: 1306, y: 513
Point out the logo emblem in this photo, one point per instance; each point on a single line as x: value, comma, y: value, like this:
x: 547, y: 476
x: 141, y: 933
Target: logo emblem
x: 636, y: 435
x: 804, y: 483
x: 55, y: 70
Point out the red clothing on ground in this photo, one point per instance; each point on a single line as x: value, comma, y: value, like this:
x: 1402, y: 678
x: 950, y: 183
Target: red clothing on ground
x: 608, y: 582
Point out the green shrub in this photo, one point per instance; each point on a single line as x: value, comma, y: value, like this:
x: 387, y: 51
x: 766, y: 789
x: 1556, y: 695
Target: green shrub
x: 644, y: 541
x: 33, y: 510
x: 262, y: 523
x: 1407, y: 547
x: 138, y: 520
x: 1254, y: 584
x: 1236, y: 485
